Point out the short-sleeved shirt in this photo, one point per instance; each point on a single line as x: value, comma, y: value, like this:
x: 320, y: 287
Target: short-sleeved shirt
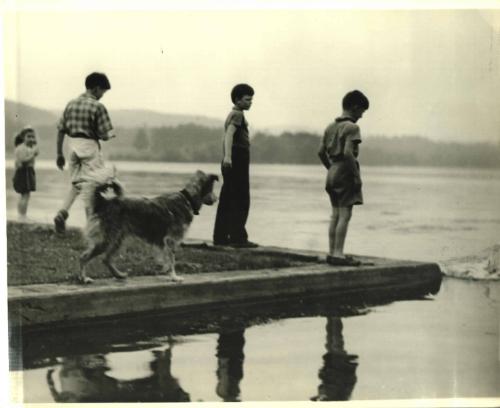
x: 241, y: 136
x: 85, y: 115
x: 25, y: 155
x: 336, y: 135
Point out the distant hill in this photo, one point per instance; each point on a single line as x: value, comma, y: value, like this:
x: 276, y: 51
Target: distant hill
x: 130, y: 118
x: 20, y: 114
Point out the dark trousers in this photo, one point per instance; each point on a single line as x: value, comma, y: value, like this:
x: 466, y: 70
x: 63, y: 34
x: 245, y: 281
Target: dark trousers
x: 234, y: 200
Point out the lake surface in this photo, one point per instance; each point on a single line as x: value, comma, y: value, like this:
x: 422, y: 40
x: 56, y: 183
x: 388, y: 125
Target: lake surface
x: 444, y: 346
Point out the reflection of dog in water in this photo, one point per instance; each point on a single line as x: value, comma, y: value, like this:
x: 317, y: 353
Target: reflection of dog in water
x: 84, y: 379
x: 161, y: 221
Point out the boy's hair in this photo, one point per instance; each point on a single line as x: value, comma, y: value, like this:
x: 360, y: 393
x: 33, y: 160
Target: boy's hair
x: 97, y: 79
x: 355, y: 98
x: 240, y: 90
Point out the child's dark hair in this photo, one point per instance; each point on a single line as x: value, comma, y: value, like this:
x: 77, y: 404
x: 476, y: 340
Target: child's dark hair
x: 355, y: 99
x: 19, y: 138
x: 240, y: 90
x: 97, y: 79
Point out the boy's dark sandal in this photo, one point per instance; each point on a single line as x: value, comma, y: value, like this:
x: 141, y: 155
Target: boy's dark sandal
x: 347, y: 261
x: 60, y: 221
x: 221, y: 243
x: 245, y: 244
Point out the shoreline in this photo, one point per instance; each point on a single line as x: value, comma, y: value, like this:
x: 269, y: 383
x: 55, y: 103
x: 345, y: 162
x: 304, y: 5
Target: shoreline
x: 219, y: 276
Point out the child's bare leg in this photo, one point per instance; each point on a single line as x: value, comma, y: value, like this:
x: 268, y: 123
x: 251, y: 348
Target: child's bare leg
x: 22, y: 205
x: 345, y: 214
x: 63, y: 213
x: 331, y: 231
x: 70, y: 198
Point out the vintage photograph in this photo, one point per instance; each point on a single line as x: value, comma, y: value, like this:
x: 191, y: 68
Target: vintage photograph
x: 248, y: 203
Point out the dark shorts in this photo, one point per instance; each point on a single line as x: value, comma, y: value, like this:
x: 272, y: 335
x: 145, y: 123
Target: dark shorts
x: 341, y: 188
x: 24, y: 180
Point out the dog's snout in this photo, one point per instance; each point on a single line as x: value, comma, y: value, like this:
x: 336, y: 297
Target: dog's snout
x: 210, y: 199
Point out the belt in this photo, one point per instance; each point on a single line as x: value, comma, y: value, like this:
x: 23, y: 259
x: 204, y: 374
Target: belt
x: 82, y: 136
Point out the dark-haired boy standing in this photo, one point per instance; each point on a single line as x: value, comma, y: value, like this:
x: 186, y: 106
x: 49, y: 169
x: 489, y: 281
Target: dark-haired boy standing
x: 234, y: 201
x: 86, y: 121
x: 338, y: 152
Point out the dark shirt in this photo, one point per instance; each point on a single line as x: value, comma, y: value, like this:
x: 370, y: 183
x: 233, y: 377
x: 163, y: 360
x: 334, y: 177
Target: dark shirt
x: 237, y: 119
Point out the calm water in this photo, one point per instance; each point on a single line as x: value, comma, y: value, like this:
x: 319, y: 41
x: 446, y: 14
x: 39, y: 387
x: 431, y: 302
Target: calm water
x: 442, y: 347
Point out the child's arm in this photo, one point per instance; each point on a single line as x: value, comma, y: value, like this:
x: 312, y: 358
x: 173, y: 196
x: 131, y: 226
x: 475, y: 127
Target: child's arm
x: 25, y: 153
x: 60, y: 156
x: 108, y: 135
x: 323, y: 156
x: 352, y: 140
x: 104, y: 127
x: 228, y: 145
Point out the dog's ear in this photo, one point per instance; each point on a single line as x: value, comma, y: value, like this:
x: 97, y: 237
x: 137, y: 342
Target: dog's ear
x: 213, y: 177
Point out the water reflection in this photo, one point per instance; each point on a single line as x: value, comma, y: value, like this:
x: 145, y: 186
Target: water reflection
x: 83, y: 368
x: 230, y: 359
x: 338, y: 373
x: 84, y: 379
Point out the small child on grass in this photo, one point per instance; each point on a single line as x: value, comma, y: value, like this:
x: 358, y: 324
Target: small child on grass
x: 26, y: 149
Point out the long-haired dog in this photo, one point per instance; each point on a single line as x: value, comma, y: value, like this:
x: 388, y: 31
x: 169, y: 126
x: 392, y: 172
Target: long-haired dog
x: 161, y: 221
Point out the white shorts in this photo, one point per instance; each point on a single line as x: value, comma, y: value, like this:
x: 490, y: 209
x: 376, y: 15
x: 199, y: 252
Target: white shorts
x: 85, y: 159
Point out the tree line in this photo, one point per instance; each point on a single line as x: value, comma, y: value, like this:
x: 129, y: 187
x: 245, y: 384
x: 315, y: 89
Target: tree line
x: 196, y: 143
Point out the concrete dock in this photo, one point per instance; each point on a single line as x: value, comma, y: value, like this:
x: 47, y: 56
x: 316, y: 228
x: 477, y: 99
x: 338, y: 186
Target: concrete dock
x: 32, y: 306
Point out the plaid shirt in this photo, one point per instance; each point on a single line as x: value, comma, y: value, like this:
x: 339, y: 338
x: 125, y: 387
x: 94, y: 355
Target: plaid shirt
x: 86, y: 115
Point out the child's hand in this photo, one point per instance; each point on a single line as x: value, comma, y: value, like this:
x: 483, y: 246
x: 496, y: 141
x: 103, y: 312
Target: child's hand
x: 227, y: 162
x: 61, y: 161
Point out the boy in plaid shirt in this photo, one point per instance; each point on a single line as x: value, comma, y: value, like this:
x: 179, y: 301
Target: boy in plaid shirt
x: 85, y: 121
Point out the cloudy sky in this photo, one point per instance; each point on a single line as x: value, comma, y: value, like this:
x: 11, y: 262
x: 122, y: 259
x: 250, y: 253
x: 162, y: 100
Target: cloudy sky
x: 435, y: 73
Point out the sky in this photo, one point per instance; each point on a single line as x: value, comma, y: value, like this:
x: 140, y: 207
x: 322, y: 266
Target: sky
x: 434, y: 73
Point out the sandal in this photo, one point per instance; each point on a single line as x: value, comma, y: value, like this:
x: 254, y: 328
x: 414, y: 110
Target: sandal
x: 337, y: 261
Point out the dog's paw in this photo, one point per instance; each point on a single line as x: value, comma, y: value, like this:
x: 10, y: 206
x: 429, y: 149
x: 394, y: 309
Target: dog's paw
x: 85, y: 280
x: 173, y: 278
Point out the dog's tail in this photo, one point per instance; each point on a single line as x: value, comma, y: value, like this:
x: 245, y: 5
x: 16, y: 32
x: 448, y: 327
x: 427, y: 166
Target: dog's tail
x: 99, y: 187
x: 103, y: 193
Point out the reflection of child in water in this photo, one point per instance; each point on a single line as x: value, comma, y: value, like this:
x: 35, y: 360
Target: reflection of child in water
x: 230, y: 359
x: 338, y: 374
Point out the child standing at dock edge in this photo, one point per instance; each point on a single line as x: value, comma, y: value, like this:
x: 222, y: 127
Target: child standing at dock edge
x: 338, y: 152
x: 234, y: 201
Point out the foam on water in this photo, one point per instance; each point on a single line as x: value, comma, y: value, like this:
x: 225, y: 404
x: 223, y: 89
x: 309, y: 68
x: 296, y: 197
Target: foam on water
x: 482, y: 266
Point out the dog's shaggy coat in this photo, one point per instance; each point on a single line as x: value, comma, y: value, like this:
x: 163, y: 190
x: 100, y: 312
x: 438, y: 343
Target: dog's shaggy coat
x: 161, y: 221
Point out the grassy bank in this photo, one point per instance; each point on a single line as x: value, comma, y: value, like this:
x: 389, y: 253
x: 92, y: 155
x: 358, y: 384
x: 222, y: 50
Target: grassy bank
x: 36, y: 254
